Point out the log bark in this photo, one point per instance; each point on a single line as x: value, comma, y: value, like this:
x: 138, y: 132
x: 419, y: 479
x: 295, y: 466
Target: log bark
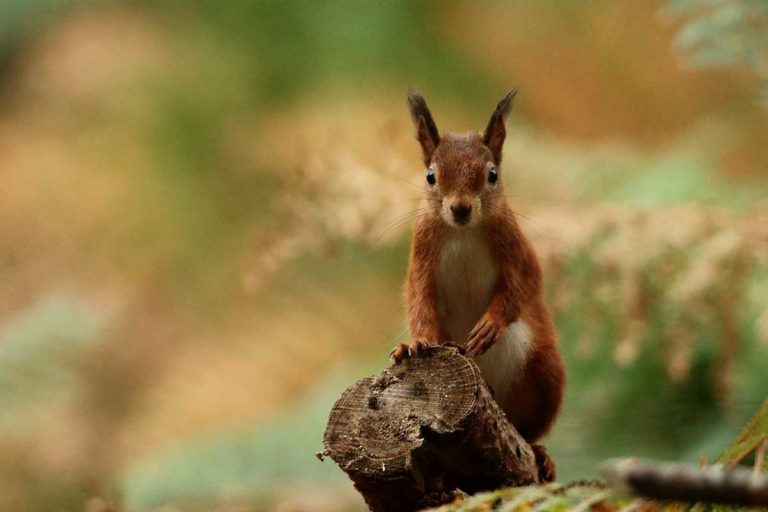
x: 423, y: 432
x: 687, y: 483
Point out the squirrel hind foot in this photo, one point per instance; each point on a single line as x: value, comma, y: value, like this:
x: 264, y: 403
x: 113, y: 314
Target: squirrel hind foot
x: 546, y: 466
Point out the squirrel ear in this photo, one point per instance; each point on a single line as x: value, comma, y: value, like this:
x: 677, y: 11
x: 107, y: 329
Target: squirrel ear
x: 495, y: 132
x: 426, y: 130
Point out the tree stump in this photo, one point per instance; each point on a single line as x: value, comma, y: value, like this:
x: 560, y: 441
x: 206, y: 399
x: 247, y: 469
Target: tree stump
x: 423, y: 432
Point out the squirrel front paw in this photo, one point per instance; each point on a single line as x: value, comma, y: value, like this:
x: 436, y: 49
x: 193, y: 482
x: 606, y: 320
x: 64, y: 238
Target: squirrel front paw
x: 413, y: 348
x: 485, y: 333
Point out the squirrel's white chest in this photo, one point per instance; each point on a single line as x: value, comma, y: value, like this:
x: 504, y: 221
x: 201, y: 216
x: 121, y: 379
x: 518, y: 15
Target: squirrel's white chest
x: 466, y: 277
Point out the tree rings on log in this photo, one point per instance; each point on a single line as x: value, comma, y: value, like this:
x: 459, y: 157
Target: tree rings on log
x: 424, y: 431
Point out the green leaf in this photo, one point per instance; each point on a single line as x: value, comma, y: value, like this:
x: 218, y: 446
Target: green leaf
x: 751, y: 436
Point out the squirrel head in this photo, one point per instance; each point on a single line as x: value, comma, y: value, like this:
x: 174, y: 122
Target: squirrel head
x: 462, y: 179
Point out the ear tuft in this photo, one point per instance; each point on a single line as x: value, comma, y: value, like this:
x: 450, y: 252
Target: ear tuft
x: 426, y: 130
x: 496, y: 132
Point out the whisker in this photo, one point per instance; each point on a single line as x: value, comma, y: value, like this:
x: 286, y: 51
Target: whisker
x: 507, y: 210
x: 412, y: 212
x: 399, y: 222
x: 398, y: 178
x: 428, y: 199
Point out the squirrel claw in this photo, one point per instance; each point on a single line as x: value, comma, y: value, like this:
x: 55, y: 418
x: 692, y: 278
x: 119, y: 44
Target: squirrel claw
x: 403, y: 350
x: 399, y: 353
x: 483, y: 336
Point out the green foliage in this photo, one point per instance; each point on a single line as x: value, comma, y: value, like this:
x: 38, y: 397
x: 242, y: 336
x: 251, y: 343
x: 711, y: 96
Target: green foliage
x: 575, y: 496
x: 39, y: 352
x: 754, y: 433
x: 646, y: 183
x: 724, y: 33
x: 20, y: 17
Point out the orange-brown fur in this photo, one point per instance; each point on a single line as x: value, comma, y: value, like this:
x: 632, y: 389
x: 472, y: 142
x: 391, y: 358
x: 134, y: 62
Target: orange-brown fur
x: 462, y: 165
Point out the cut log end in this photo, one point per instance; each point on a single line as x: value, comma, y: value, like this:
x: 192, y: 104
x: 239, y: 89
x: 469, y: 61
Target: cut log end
x: 424, y: 431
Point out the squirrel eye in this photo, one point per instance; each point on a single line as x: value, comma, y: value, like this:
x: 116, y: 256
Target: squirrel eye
x: 431, y: 176
x: 493, y: 175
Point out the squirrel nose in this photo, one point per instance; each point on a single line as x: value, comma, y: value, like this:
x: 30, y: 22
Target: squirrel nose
x: 461, y: 212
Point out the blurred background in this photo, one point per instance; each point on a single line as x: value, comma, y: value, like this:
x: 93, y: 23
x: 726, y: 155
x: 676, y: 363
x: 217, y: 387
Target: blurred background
x: 202, y: 235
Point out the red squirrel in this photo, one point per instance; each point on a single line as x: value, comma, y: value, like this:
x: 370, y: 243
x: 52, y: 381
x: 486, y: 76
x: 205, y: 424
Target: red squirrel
x: 474, y: 279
